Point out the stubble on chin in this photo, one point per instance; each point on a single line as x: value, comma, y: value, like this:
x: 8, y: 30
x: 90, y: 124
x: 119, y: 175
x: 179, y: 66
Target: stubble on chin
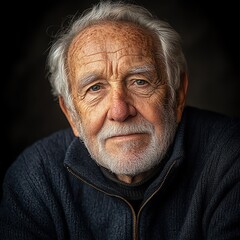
x: 130, y: 159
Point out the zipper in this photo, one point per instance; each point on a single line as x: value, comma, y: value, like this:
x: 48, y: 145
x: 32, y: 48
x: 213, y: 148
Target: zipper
x: 109, y: 194
x: 135, y: 217
x: 148, y: 199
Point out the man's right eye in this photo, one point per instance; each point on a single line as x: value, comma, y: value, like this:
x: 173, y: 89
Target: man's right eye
x: 95, y: 88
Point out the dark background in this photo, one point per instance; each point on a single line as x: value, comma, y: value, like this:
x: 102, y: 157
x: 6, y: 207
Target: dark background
x: 29, y: 112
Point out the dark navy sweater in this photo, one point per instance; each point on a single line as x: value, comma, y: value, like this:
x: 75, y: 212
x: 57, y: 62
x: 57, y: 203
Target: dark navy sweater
x: 54, y: 190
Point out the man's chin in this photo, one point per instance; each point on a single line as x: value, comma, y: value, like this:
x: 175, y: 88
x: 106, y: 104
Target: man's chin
x: 126, y: 163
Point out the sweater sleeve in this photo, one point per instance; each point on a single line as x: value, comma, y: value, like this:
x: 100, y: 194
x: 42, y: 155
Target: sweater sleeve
x: 31, y: 205
x: 222, y: 216
x: 225, y: 219
x: 23, y: 212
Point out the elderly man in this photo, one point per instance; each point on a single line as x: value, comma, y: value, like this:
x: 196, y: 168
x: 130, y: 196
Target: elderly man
x: 136, y: 163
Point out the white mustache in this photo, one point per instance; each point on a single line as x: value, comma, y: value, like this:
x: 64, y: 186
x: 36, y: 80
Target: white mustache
x: 118, y: 130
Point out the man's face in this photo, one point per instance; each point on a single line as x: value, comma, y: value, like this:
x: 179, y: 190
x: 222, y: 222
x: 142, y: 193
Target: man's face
x: 120, y: 94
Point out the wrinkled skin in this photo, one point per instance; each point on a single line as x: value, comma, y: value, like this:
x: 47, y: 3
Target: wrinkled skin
x: 116, y: 81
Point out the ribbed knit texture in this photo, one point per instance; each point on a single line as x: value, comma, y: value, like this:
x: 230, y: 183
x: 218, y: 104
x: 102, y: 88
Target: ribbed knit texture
x: 54, y: 190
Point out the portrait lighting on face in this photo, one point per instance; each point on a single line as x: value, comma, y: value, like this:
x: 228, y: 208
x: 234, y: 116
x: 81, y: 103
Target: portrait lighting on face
x: 135, y: 161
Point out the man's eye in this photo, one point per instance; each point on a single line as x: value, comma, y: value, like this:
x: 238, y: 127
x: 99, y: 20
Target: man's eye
x: 95, y: 88
x: 140, y: 82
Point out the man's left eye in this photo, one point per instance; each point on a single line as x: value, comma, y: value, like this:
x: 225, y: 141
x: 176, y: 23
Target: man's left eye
x: 95, y: 88
x: 140, y: 82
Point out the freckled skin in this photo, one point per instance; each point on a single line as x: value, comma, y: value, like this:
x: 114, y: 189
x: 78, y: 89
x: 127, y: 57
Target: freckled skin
x: 109, y: 50
x: 98, y: 40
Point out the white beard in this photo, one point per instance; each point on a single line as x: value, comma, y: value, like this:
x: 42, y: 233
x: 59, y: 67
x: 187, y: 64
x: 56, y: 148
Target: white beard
x: 130, y: 162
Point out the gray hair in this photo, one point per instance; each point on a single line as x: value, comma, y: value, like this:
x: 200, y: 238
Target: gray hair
x: 172, y: 54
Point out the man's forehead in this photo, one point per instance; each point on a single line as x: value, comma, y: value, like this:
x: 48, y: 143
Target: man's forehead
x: 115, y: 39
x: 114, y: 30
x: 120, y: 38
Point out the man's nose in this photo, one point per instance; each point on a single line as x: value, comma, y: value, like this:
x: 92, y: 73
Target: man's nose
x: 121, y: 107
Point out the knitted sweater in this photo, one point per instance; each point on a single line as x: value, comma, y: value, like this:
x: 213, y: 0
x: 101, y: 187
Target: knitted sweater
x: 54, y: 190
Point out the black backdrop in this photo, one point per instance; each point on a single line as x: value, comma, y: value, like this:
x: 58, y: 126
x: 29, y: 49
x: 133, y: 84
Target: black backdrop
x: 29, y: 111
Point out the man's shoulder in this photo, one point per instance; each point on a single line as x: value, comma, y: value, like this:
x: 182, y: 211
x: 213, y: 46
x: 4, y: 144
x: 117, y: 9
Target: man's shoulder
x: 61, y: 138
x: 54, y: 144
x: 40, y: 163
x: 49, y: 152
x: 209, y: 119
x: 211, y: 129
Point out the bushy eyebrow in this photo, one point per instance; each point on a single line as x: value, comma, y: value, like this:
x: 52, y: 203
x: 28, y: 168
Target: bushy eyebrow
x: 87, y: 79
x: 141, y: 69
x: 145, y: 69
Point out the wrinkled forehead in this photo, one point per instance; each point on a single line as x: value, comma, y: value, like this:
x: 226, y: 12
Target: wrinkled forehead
x: 112, y: 36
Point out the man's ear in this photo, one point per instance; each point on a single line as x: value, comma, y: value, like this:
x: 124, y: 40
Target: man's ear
x: 68, y: 115
x: 181, y: 96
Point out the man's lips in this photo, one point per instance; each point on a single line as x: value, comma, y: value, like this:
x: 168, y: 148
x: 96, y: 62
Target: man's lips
x: 127, y: 137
